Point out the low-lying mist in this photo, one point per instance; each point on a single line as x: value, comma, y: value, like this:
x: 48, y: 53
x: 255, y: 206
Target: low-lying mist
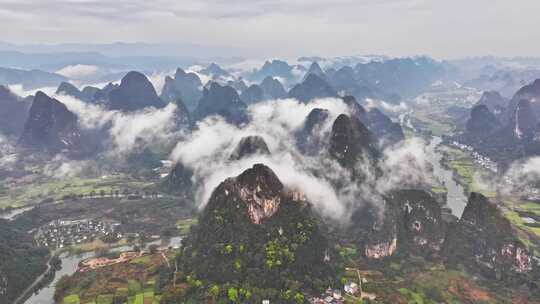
x: 207, y: 150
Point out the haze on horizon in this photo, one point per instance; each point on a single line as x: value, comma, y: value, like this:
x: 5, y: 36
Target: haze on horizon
x: 442, y: 29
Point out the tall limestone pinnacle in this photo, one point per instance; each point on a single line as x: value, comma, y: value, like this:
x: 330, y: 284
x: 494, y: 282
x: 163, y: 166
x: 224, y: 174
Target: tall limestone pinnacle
x: 50, y: 126
x: 257, y: 233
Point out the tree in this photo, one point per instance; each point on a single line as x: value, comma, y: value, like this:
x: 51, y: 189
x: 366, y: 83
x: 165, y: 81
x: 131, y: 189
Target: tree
x: 232, y: 294
x: 299, y: 298
x: 213, y: 291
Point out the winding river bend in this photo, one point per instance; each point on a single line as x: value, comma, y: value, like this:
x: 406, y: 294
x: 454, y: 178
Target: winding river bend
x: 70, y: 264
x: 456, y: 198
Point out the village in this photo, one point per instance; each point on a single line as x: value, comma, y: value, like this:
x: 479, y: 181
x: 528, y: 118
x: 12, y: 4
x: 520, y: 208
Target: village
x: 62, y: 233
x: 483, y: 161
x: 352, y: 290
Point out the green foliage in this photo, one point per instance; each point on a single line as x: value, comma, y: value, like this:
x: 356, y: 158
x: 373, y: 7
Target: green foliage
x: 213, y: 291
x: 20, y: 262
x: 104, y: 299
x: 72, y: 299
x: 232, y: 294
x: 278, y: 253
x: 259, y: 261
x: 134, y: 287
x: 299, y: 298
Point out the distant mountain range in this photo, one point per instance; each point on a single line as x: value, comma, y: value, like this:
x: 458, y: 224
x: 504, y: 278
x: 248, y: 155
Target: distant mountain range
x: 506, y: 132
x: 32, y: 79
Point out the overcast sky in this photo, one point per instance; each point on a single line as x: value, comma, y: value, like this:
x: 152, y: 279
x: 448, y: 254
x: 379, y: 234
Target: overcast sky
x: 440, y: 28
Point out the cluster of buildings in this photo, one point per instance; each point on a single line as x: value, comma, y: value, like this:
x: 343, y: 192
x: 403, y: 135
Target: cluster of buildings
x: 63, y: 233
x: 335, y: 296
x: 95, y: 263
x: 478, y: 158
x: 331, y: 296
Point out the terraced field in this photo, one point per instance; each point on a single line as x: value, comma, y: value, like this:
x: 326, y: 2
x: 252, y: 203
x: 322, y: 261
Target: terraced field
x: 134, y: 282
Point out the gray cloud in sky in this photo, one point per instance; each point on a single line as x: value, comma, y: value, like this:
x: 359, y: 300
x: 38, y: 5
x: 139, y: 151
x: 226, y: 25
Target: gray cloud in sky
x: 287, y: 27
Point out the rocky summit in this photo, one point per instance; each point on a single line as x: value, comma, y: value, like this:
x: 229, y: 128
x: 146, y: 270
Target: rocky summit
x: 13, y: 112
x: 50, y: 126
x: 179, y: 181
x: 410, y: 223
x: 482, y: 122
x: 386, y: 131
x: 223, y: 101
x: 135, y: 92
x: 256, y: 232
x: 351, y: 142
x: 484, y: 240
x: 494, y: 101
x: 310, y: 138
x: 311, y: 88
x: 273, y: 89
x: 186, y: 87
x: 250, y: 146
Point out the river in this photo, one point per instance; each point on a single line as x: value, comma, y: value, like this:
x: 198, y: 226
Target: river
x: 70, y: 264
x: 10, y: 215
x: 456, y: 199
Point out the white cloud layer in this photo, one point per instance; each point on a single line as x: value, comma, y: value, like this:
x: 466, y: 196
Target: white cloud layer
x: 207, y: 152
x: 78, y: 71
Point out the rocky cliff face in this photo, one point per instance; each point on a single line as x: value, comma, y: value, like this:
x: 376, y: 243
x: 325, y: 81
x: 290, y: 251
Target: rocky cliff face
x: 484, y: 240
x: 223, y: 101
x: 410, y: 222
x: 423, y: 229
x: 525, y: 121
x: 261, y: 191
x: 310, y: 139
x: 530, y: 92
x: 13, y: 113
x: 135, y: 92
x: 350, y: 141
x: 249, y: 146
x: 51, y: 126
x: 311, y: 88
x: 254, y: 231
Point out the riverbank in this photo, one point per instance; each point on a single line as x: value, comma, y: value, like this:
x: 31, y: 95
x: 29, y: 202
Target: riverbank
x: 456, y: 198
x: 70, y: 264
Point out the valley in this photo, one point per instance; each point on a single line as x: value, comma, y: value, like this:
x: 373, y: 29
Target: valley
x: 350, y: 184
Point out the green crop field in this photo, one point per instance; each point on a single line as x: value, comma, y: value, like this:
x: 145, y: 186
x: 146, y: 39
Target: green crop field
x: 22, y: 193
